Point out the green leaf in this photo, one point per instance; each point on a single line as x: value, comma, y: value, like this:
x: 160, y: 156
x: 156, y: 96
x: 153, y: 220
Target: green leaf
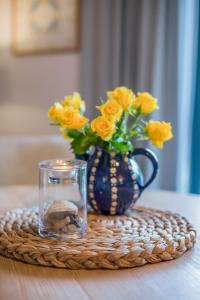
x: 122, y: 146
x: 116, y: 135
x: 74, y: 134
x: 82, y: 144
x: 142, y: 138
x: 89, y: 131
x: 133, y: 133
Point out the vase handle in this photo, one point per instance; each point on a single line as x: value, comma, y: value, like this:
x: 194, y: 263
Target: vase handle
x: 150, y: 155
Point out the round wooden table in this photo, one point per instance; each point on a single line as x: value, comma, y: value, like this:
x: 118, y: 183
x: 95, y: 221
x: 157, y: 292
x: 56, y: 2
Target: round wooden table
x: 177, y: 279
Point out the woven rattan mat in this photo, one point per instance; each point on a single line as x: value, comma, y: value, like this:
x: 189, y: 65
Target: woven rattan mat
x: 112, y: 242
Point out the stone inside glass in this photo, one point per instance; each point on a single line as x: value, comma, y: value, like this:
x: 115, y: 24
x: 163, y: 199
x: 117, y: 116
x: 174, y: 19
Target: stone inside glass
x: 62, y: 213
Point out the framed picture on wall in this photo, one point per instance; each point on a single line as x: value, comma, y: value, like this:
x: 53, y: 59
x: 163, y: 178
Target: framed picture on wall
x: 45, y: 26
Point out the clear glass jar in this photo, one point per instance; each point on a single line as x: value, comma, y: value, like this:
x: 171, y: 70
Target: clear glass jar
x: 62, y: 195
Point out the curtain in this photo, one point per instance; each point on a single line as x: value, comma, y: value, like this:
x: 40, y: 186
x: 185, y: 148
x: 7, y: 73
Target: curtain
x: 195, y: 151
x: 187, y: 42
x: 147, y: 46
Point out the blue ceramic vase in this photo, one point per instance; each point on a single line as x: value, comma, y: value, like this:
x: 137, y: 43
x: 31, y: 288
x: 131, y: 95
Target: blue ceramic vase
x: 115, y: 181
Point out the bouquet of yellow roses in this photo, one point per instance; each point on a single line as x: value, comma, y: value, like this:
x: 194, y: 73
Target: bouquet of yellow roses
x: 120, y: 122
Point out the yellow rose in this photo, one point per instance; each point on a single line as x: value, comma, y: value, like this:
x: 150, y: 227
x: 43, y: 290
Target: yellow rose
x: 146, y: 102
x: 55, y: 112
x: 72, y: 119
x: 74, y: 101
x: 159, y: 132
x: 103, y: 127
x: 123, y: 96
x: 111, y: 109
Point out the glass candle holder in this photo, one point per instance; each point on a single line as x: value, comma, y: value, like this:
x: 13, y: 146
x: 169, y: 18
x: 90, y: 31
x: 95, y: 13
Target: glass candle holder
x: 62, y: 196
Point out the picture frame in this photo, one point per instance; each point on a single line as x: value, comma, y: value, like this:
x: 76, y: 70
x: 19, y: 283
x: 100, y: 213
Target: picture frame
x: 45, y: 26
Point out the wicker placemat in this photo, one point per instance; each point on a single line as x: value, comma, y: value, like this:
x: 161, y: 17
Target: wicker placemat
x: 113, y: 242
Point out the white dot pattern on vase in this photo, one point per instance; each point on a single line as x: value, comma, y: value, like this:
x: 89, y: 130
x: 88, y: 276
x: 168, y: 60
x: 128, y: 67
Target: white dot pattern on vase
x: 114, y: 189
x: 112, y: 154
x: 113, y: 180
x: 91, y: 186
x: 92, y: 179
x: 99, y: 153
x: 113, y: 210
x: 126, y: 158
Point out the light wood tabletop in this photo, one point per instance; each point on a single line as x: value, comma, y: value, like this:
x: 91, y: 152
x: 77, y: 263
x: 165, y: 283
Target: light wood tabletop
x: 177, y: 279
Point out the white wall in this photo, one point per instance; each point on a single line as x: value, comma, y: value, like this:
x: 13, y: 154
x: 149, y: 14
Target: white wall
x: 29, y: 84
